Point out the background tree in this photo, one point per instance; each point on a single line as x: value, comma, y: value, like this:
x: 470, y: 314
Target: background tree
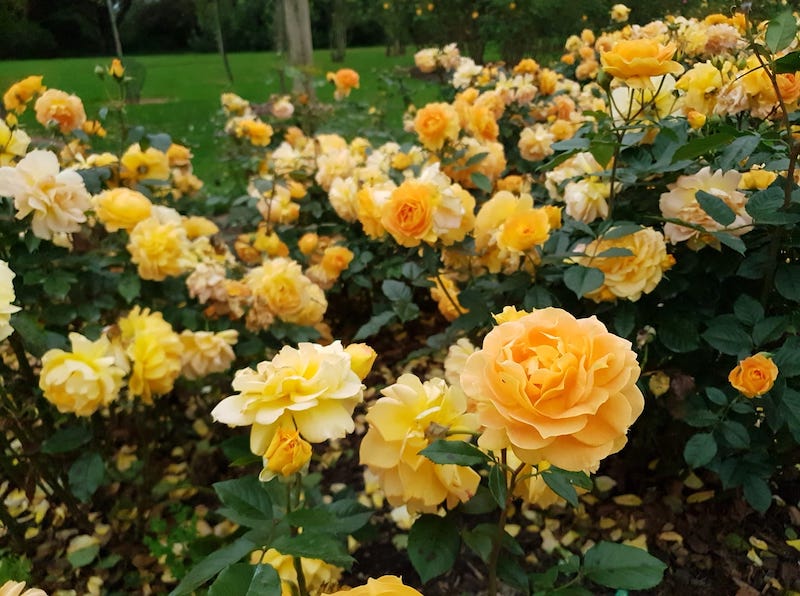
x: 297, y: 16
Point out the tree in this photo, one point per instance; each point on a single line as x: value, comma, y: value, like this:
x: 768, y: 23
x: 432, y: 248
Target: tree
x: 297, y: 17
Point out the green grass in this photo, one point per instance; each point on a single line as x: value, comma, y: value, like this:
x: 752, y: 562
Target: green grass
x: 181, y: 92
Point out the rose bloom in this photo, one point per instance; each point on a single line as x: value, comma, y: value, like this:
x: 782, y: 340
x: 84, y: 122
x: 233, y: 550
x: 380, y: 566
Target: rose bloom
x: 757, y: 179
x: 121, y: 208
x: 335, y: 259
x: 318, y: 574
x: 387, y: 585
x: 13, y: 588
x: 160, y: 249
x: 310, y: 388
x: 481, y: 123
x: 425, y: 60
x: 258, y: 133
x: 13, y: 144
x: 16, y: 98
x: 491, y: 165
x: 553, y: 387
x: 754, y: 376
x: 282, y: 108
x: 345, y: 80
x: 535, y: 142
x: 628, y: 277
x: 286, y: 455
x: 680, y: 202
x: 280, y: 286
x: 619, y: 13
x: 7, y: 296
x: 63, y: 109
x: 587, y: 199
x: 445, y: 293
x: 83, y: 380
x: 233, y: 104
x: 138, y: 165
x: 408, y: 215
x: 154, y: 351
x: 179, y: 156
x: 435, y: 124
x: 57, y: 199
x: 407, y: 419
x: 636, y: 60
x: 206, y: 352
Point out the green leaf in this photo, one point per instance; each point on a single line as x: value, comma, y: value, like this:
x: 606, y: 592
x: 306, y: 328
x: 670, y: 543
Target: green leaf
x: 266, y: 582
x: 624, y: 319
x: 86, y: 474
x: 459, y: 453
x: 781, y: 31
x: 716, y: 208
x: 621, y: 230
x: 700, y: 450
x: 702, y: 145
x: 498, y: 485
x: 396, y: 290
x: 748, y: 310
x: 36, y: 339
x: 479, y: 540
x: 623, y: 567
x: 433, y: 545
x: 481, y: 181
x: 129, y: 286
x: 679, y: 334
x: 83, y: 556
x: 787, y: 357
x: 790, y: 407
x: 787, y: 281
x: 727, y: 335
x: 250, y: 580
x: 58, y: 283
x: 602, y: 150
x: 757, y: 493
x: 213, y: 564
x: 327, y: 519
x: 481, y: 502
x: 731, y: 241
x: 476, y: 159
x: 511, y: 572
x: 790, y: 63
x: 583, y: 280
x: 315, y: 545
x: 716, y: 396
x: 738, y: 150
x: 246, y: 502
x: 66, y: 439
x: 616, y: 251
x: 735, y: 434
x: 374, y: 325
x: 160, y: 141
x: 563, y: 483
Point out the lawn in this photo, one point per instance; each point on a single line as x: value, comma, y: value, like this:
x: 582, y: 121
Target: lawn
x: 181, y: 92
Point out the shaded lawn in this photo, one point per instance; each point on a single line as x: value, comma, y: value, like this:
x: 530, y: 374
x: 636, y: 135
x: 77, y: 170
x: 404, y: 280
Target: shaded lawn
x: 180, y: 94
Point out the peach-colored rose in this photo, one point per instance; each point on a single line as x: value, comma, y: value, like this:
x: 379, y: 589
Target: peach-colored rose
x: 435, y: 124
x: 636, y: 60
x: 387, y: 585
x: 754, y: 376
x: 345, y: 80
x: 553, y: 387
x: 63, y: 109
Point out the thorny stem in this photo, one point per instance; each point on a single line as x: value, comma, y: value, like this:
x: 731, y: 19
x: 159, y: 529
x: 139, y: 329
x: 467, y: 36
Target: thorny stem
x: 497, y: 541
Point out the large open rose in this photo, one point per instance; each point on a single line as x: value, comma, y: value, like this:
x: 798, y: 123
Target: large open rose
x: 553, y: 387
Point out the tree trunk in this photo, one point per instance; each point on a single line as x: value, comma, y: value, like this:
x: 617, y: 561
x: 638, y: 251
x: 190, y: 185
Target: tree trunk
x: 338, y: 30
x: 220, y: 41
x: 112, y: 17
x: 279, y: 24
x: 298, y: 35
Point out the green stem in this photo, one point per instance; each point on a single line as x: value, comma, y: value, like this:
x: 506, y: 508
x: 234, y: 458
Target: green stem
x: 294, y: 490
x: 497, y: 540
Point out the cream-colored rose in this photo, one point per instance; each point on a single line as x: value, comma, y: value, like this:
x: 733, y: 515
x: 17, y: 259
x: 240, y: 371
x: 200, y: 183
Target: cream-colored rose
x: 407, y: 419
x: 12, y: 588
x: 7, y: 296
x: 206, y: 352
x: 553, y: 387
x: 83, y: 380
x: 311, y: 388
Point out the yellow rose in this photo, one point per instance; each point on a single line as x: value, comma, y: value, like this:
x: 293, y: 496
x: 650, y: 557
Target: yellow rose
x: 754, y: 376
x: 197, y: 226
x: 286, y: 455
x: 138, y: 165
x: 311, y: 388
x: 362, y: 357
x: 257, y: 132
x: 436, y: 124
x: 318, y: 574
x: 408, y: 215
x: 13, y: 143
x: 406, y: 420
x: 280, y: 286
x: 757, y: 179
x: 159, y: 249
x: 387, y: 585
x: 636, y: 60
x: 206, y: 352
x: 83, y: 380
x: 20, y: 93
x: 619, y: 13
x: 551, y: 386
x: 116, y: 69
x: 628, y: 276
x: 121, y: 208
x: 308, y: 243
x: 7, y: 296
x: 63, y: 109
x: 179, y: 156
x: 154, y: 351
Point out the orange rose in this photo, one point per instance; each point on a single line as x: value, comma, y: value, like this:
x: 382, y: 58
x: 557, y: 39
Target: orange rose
x: 58, y: 107
x: 408, y: 215
x: 553, y: 387
x: 754, y: 376
x: 345, y: 79
x: 636, y: 60
x: 435, y: 124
